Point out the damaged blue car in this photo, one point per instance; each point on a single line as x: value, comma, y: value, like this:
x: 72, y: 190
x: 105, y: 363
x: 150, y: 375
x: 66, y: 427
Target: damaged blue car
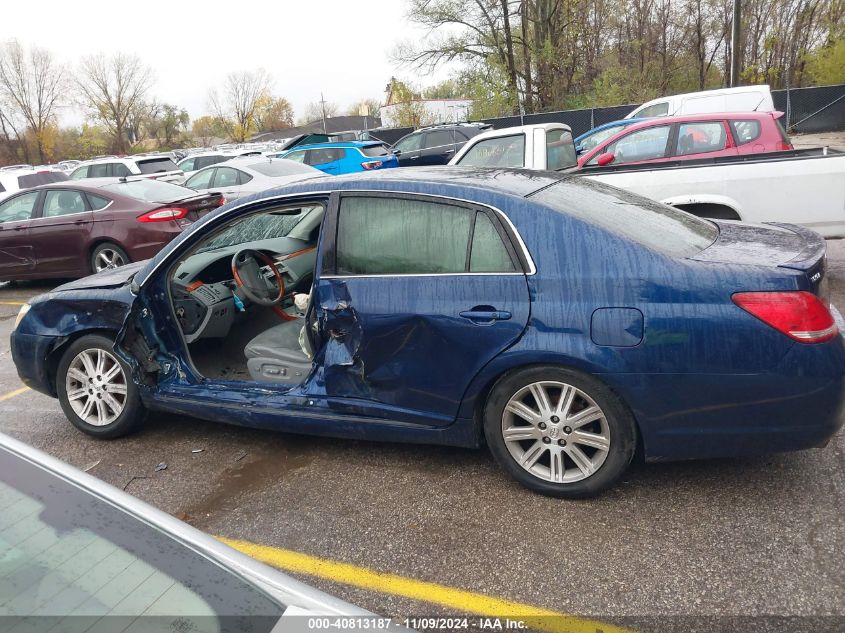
x: 566, y: 324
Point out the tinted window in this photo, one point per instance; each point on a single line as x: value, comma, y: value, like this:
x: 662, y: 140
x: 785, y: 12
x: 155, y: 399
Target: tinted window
x: 201, y: 179
x: 100, y: 170
x: 640, y: 145
x: 654, y: 225
x: 489, y: 254
x: 409, y: 143
x: 279, y: 168
x: 156, y: 165
x: 2, y: 188
x: 119, y: 170
x: 697, y: 138
x: 205, y: 161
x: 79, y: 173
x: 505, y: 151
x: 438, y: 138
x: 227, y: 177
x: 62, y: 203
x: 187, y: 164
x: 97, y: 202
x: 41, y: 178
x: 84, y: 558
x: 658, y: 109
x: 374, y: 150
x: 746, y: 131
x: 400, y: 236
x: 325, y: 155
x: 18, y: 208
x: 560, y: 150
x: 151, y: 190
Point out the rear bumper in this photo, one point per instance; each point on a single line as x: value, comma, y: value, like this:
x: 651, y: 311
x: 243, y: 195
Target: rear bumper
x: 798, y: 405
x: 29, y: 353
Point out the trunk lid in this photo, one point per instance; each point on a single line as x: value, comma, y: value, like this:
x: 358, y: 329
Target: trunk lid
x: 783, y: 245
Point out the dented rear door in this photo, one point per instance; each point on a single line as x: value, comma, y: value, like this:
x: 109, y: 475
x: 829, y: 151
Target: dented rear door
x: 407, y: 317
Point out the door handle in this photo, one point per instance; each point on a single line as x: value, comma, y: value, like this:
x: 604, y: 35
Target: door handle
x: 485, y: 315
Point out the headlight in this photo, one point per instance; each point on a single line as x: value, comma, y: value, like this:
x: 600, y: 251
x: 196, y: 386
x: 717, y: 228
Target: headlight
x: 21, y: 314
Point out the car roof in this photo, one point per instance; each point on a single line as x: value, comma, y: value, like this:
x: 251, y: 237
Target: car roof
x: 352, y: 144
x: 519, y: 129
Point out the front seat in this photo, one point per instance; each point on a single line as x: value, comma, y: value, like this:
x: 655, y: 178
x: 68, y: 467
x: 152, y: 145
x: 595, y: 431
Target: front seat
x: 276, y: 355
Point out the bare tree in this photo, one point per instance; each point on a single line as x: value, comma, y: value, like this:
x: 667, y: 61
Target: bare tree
x: 236, y: 106
x: 33, y: 85
x: 111, y: 89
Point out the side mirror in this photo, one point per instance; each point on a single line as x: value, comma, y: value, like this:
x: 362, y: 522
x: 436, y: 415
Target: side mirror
x: 397, y: 152
x: 605, y: 159
x: 579, y: 149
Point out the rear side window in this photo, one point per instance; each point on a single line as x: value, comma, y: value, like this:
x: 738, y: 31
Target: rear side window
x: 119, y: 170
x: 41, y: 178
x: 63, y: 203
x: 97, y: 202
x: 325, y: 155
x: 656, y: 226
x: 398, y: 236
x: 439, y: 138
x: 505, y: 151
x: 2, y: 188
x: 205, y: 161
x: 489, y: 254
x: 101, y: 170
x: 560, y: 150
x: 228, y: 177
x: 374, y: 150
x: 699, y: 138
x: 156, y: 165
x: 746, y: 131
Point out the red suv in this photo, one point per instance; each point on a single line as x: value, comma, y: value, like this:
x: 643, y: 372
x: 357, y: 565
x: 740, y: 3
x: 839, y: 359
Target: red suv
x: 691, y: 136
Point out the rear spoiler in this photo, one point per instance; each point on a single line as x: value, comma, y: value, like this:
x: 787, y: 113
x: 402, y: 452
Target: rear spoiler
x: 813, y: 252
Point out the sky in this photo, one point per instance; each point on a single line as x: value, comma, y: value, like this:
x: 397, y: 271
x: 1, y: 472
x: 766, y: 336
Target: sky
x: 338, y: 47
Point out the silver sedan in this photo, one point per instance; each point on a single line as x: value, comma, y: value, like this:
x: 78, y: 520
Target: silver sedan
x: 241, y: 177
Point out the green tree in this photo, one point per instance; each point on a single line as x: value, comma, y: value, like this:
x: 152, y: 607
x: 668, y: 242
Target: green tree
x: 273, y: 113
x: 827, y: 65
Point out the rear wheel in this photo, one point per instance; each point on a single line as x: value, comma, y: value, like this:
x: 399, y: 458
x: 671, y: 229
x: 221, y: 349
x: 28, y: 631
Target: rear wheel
x: 559, y: 432
x: 107, y: 256
x: 95, y: 390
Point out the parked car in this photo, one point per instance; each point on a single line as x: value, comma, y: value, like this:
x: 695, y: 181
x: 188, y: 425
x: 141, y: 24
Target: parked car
x: 77, y: 549
x: 588, y: 140
x: 435, y: 145
x: 75, y: 228
x: 344, y: 157
x: 517, y: 146
x: 562, y: 322
x: 159, y: 167
x: 748, y: 187
x: 690, y: 137
x: 193, y: 163
x: 14, y: 179
x: 244, y: 176
x: 739, y: 99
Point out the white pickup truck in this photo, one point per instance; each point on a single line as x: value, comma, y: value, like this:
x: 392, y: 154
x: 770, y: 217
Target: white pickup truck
x: 804, y: 187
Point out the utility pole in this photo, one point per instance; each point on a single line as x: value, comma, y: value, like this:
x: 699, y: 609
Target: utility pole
x: 735, y: 52
x: 323, y: 108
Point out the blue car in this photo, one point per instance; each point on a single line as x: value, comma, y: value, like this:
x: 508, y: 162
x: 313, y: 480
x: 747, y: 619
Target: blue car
x: 599, y: 134
x: 345, y: 157
x: 563, y: 323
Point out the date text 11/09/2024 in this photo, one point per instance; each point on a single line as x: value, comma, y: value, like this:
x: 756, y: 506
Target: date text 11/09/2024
x: 417, y: 623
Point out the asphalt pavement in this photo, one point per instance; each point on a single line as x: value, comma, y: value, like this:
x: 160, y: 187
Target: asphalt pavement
x: 761, y: 536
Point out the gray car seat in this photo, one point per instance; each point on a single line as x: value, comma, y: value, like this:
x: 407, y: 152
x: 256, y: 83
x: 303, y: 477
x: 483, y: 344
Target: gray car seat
x: 276, y: 356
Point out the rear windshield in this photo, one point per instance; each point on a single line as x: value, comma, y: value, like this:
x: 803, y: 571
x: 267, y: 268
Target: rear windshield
x: 656, y: 226
x: 281, y: 167
x: 374, y: 150
x: 41, y: 178
x: 151, y: 190
x: 91, y: 565
x: 156, y: 165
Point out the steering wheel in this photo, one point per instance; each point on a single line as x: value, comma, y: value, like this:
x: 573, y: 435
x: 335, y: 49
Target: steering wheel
x: 246, y: 269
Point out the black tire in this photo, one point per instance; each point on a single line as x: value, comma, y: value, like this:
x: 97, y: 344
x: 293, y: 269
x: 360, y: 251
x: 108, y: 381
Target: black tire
x: 619, y: 426
x: 133, y: 411
x: 108, y: 247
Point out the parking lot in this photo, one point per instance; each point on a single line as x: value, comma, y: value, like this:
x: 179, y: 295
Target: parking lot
x: 761, y: 536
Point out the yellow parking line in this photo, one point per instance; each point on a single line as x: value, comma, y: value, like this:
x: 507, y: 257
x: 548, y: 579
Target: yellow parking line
x: 458, y: 599
x: 12, y: 394
x: 11, y: 303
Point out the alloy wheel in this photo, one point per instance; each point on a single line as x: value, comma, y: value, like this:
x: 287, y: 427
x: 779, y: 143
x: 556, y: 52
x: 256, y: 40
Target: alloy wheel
x: 556, y: 432
x: 96, y: 387
x: 108, y: 259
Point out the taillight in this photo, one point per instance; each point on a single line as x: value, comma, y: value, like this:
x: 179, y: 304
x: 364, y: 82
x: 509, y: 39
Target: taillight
x: 783, y: 146
x: 801, y: 315
x: 373, y: 164
x: 163, y: 215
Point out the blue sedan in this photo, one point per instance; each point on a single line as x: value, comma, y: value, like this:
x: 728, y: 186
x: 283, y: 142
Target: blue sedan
x: 345, y: 157
x: 563, y: 323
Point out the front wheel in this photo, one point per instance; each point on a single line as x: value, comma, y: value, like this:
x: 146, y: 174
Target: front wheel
x: 559, y: 432
x: 95, y: 390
